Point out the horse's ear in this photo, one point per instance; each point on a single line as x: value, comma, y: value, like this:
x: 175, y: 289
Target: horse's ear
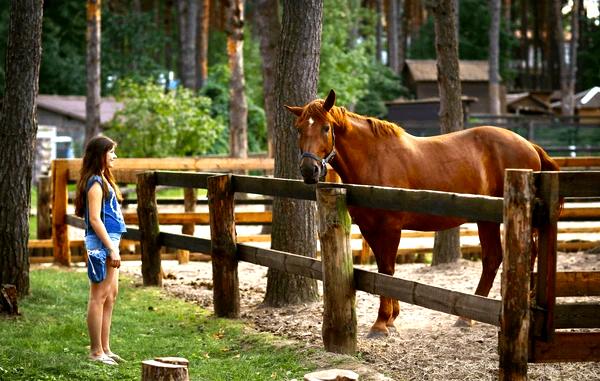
x: 330, y: 101
x: 294, y: 109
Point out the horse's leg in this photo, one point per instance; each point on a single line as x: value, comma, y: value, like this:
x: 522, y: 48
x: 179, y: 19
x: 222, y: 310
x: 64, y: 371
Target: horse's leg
x: 384, y: 243
x: 491, y: 258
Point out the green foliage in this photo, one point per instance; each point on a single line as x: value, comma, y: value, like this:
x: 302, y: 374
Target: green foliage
x: 50, y: 341
x: 128, y: 50
x: 588, y: 59
x: 345, y: 64
x: 384, y: 85
x: 158, y: 124
x: 473, y: 37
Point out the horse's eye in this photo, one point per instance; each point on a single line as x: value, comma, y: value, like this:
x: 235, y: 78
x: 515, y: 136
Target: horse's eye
x: 326, y: 129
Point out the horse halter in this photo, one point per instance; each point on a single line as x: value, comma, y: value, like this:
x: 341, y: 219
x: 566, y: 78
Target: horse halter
x: 327, y: 158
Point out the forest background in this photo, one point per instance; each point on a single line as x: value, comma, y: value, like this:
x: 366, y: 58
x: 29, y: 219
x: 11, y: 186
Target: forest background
x: 141, y: 44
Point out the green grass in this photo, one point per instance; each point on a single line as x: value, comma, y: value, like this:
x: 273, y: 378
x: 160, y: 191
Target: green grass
x: 50, y: 342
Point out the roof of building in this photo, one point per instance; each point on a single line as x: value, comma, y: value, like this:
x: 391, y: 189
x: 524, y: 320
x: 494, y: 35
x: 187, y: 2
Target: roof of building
x: 402, y: 101
x: 73, y: 106
x: 426, y: 70
x: 527, y: 102
x: 588, y: 99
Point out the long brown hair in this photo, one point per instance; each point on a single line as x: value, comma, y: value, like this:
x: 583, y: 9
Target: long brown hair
x: 94, y: 163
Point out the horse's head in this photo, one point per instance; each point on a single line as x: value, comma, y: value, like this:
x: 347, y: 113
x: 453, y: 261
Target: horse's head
x: 316, y: 137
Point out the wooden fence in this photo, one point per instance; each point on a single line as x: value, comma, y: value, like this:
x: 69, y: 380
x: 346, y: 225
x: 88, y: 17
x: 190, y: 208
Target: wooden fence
x: 520, y: 210
x: 127, y: 169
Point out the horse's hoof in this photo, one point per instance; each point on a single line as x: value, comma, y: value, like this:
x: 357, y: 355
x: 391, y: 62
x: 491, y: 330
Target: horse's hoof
x: 392, y: 328
x: 378, y: 334
x: 463, y: 323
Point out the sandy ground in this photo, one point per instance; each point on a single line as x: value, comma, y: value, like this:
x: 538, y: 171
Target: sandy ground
x: 426, y: 345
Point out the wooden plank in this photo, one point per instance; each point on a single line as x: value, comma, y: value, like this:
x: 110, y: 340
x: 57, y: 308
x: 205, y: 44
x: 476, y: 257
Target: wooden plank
x: 580, y: 214
x: 470, y: 207
x: 183, y: 179
x: 577, y: 315
x: 545, y: 296
x: 577, y: 283
x: 149, y: 229
x: 514, y: 323
x: 456, y: 303
x: 280, y: 260
x: 579, y: 184
x: 44, y: 201
x: 226, y: 290
x: 198, y: 218
x: 130, y: 167
x: 339, y: 296
x: 60, y: 231
x: 568, y: 347
x: 578, y: 162
x: 182, y: 241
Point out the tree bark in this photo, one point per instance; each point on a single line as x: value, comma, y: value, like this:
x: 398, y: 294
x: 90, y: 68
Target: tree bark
x: 294, y: 221
x: 494, y: 57
x: 268, y: 27
x: 202, y: 43
x: 18, y: 128
x: 238, y: 107
x: 379, y: 31
x: 392, y: 35
x: 92, y: 101
x: 188, y: 24
x: 568, y: 69
x: 447, y: 243
x: 401, y: 35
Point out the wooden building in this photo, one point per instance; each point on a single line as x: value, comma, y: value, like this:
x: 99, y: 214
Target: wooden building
x: 420, y: 76
x: 527, y: 103
x: 587, y: 103
x: 67, y: 114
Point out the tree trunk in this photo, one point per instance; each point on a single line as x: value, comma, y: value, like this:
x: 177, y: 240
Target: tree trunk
x: 238, y: 108
x: 268, y: 27
x: 569, y: 70
x: 494, y: 57
x: 294, y: 221
x: 401, y: 35
x: 18, y: 128
x: 379, y: 31
x: 525, y: 46
x: 188, y: 21
x: 92, y: 101
x: 202, y: 43
x: 392, y: 35
x: 447, y: 243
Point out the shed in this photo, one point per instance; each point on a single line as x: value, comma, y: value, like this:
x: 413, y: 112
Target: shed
x: 67, y: 114
x: 529, y: 103
x: 420, y: 117
x: 587, y: 103
x: 421, y: 77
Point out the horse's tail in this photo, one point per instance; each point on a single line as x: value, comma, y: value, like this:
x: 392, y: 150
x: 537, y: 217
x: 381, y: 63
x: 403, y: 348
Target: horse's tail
x: 548, y: 164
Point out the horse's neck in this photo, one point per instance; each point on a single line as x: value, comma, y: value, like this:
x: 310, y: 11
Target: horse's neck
x: 352, y: 150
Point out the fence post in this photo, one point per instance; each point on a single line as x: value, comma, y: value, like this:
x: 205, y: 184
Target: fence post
x: 226, y: 291
x: 44, y: 222
x: 547, y: 190
x: 149, y: 228
x: 189, y: 205
x: 60, y: 199
x: 339, y: 294
x: 514, y: 322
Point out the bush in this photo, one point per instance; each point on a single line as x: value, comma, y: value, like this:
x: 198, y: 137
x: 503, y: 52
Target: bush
x: 158, y: 124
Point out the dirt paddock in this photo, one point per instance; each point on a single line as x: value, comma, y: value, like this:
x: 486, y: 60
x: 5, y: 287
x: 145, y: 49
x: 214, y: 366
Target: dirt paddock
x: 426, y: 345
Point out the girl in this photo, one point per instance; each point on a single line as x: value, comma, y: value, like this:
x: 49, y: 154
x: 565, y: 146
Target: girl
x: 97, y: 201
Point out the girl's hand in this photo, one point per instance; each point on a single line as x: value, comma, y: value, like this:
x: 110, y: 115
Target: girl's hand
x: 115, y: 258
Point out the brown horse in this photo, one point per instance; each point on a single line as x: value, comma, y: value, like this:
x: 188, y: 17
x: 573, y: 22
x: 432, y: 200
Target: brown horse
x: 374, y: 152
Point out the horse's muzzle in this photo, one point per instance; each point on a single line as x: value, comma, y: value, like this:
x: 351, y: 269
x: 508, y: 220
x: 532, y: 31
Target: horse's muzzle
x: 310, y: 171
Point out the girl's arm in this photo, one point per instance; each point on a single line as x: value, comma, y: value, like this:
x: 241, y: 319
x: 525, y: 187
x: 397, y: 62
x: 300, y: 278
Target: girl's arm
x: 94, y: 197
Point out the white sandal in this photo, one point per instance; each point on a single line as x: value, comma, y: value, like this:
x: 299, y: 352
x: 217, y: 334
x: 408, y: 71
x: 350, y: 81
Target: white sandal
x: 104, y: 359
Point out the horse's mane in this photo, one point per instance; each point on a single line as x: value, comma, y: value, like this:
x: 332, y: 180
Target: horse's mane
x: 339, y: 116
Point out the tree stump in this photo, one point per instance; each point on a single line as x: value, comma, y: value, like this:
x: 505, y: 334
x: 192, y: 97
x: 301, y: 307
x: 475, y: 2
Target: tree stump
x: 153, y: 370
x: 331, y: 375
x: 8, y: 300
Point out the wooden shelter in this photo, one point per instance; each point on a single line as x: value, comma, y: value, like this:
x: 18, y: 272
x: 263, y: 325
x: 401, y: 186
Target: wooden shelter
x: 587, y: 103
x: 421, y: 78
x: 527, y: 103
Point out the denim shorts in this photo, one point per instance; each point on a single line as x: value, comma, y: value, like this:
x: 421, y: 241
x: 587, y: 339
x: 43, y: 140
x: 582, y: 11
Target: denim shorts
x: 92, y: 242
